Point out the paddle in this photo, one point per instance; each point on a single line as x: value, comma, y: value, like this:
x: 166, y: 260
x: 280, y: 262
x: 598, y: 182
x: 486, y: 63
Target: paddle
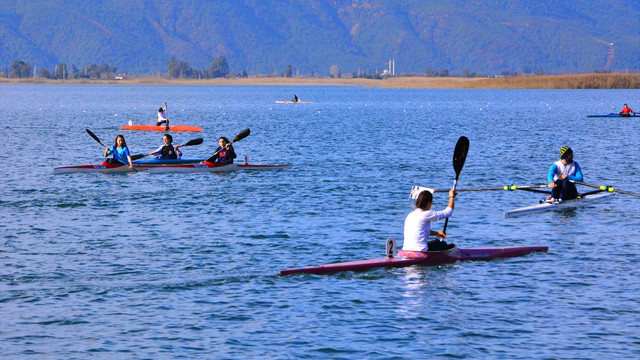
x: 241, y: 135
x: 416, y: 189
x: 459, y: 157
x: 94, y: 137
x: 605, y: 188
x: 197, y: 141
x: 166, y: 116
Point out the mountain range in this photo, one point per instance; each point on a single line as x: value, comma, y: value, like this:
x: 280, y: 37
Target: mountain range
x: 312, y: 36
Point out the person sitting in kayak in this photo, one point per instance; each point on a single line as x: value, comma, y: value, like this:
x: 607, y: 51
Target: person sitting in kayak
x: 162, y: 115
x: 224, y: 153
x: 167, y: 151
x: 560, y: 174
x: 417, y: 225
x: 626, y: 111
x: 295, y: 98
x: 120, y: 152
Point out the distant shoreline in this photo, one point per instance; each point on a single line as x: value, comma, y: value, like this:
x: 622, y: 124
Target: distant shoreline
x: 580, y: 81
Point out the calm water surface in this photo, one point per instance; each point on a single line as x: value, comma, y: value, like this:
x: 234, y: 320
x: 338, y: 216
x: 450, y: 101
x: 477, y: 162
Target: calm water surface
x: 185, y: 265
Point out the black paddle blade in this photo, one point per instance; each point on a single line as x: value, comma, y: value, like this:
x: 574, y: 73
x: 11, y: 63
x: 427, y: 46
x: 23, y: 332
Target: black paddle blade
x: 242, y: 134
x: 137, y: 157
x: 197, y: 141
x: 460, y: 154
x: 94, y: 136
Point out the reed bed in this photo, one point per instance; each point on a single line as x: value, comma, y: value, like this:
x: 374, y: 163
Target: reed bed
x: 575, y: 81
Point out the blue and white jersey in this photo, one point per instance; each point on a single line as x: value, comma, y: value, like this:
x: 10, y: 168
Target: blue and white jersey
x: 558, y: 169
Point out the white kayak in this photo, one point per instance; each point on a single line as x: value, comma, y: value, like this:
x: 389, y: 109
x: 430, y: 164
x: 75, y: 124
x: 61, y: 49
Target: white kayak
x: 544, y: 206
x: 193, y: 168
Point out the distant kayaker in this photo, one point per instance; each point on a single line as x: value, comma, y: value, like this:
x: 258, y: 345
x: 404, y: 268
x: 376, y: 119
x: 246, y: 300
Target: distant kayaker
x: 626, y: 111
x: 162, y: 115
x: 560, y: 173
x: 224, y: 153
x: 167, y: 151
x: 120, y: 152
x: 295, y: 98
x: 417, y: 225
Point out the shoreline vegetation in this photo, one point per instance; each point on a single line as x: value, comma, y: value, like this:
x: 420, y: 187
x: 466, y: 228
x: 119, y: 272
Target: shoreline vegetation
x: 575, y: 81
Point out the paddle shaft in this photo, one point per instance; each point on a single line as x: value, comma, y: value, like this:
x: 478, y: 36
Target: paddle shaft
x: 605, y: 188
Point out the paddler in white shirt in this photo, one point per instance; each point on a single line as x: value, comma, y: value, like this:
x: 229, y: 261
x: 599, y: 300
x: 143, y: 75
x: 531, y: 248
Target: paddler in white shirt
x: 559, y: 175
x: 417, y: 225
x: 162, y: 115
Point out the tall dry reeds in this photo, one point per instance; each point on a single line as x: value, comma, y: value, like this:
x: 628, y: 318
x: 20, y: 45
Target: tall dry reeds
x: 580, y: 81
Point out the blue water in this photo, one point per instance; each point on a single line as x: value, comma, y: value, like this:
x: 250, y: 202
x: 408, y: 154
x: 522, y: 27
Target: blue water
x: 171, y: 266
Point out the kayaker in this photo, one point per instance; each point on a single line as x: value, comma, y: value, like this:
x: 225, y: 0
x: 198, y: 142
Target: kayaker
x: 120, y: 152
x: 167, y: 151
x: 162, y: 115
x: 417, y: 225
x: 559, y: 175
x: 626, y: 111
x: 224, y: 153
x: 295, y: 98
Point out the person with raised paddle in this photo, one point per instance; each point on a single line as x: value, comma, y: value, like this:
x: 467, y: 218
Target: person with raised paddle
x: 626, y: 111
x: 162, y: 116
x: 224, y: 153
x: 561, y: 174
x: 417, y: 225
x: 167, y: 151
x: 120, y: 152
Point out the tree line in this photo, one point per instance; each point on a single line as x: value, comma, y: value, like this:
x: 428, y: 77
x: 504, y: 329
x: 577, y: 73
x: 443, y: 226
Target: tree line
x: 218, y: 68
x: 175, y: 70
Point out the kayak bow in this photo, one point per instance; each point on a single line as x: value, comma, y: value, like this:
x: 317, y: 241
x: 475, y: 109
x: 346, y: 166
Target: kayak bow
x: 195, y: 168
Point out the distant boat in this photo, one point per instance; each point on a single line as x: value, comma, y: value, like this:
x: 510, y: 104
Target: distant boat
x: 615, y: 115
x: 293, y: 102
x: 162, y: 128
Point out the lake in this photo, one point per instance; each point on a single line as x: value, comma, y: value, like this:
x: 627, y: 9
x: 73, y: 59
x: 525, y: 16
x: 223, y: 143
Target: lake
x: 169, y: 266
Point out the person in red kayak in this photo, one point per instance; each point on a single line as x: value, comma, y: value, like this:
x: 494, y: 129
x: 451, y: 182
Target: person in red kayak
x: 626, y: 111
x: 120, y: 152
x: 224, y: 153
x: 417, y: 225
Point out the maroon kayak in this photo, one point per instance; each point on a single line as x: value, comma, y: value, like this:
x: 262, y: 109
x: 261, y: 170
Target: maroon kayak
x: 429, y: 258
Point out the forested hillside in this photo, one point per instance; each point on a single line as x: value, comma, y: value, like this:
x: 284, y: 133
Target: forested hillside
x: 265, y: 36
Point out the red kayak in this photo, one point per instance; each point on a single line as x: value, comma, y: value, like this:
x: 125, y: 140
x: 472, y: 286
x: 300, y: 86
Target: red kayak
x: 428, y: 258
x: 162, y: 128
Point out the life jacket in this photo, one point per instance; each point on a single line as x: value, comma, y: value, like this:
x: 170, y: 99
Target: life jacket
x: 168, y: 152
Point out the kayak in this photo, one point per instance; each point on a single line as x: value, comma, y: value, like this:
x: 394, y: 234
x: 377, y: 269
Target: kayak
x: 544, y: 206
x: 104, y: 168
x: 138, y: 165
x: 153, y: 161
x: 410, y: 258
x: 293, y: 102
x: 194, y: 168
x: 614, y: 115
x: 161, y: 128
